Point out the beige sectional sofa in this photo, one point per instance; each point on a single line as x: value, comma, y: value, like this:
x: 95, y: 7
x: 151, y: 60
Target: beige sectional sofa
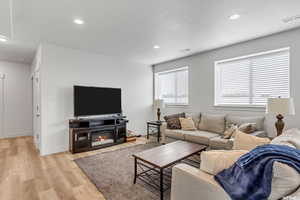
x: 194, y: 184
x: 209, y: 137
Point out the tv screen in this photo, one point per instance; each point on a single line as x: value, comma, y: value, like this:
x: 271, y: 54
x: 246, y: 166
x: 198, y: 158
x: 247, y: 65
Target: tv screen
x: 96, y: 101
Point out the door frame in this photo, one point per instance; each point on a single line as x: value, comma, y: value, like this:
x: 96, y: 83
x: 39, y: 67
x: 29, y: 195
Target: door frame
x: 2, y: 95
x: 36, y: 108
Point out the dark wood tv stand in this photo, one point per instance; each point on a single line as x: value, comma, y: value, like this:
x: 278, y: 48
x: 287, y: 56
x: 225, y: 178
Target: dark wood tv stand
x: 96, y: 133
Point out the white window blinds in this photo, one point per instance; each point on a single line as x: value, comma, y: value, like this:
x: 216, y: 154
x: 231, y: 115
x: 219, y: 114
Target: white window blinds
x: 172, y: 86
x: 251, y: 80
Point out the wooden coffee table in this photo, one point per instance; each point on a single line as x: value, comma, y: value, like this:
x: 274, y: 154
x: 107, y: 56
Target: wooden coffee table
x: 155, y: 161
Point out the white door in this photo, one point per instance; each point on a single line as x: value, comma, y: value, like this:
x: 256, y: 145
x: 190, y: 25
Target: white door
x: 36, y: 109
x: 1, y: 105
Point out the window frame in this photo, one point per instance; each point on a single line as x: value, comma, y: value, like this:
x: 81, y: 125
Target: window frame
x: 240, y: 58
x: 167, y: 72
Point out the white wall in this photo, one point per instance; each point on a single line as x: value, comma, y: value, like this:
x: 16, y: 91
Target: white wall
x: 201, y: 80
x: 17, y: 111
x: 61, y: 68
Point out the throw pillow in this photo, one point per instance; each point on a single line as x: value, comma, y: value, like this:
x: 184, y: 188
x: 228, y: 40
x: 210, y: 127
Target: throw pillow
x: 239, y: 120
x: 248, y: 127
x: 213, y: 123
x: 173, y: 120
x: 284, y: 182
x: 195, y: 116
x: 187, y: 124
x: 210, y: 160
x: 243, y: 141
x: 229, y: 131
x: 290, y: 137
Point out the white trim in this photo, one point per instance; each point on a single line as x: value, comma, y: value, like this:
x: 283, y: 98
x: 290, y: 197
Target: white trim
x: 11, y: 19
x: 173, y: 70
x: 170, y: 105
x: 252, y: 55
x: 240, y: 106
x: 2, y: 131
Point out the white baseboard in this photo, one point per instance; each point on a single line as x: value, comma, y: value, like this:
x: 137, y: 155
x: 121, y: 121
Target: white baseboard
x: 17, y: 134
x: 53, y: 150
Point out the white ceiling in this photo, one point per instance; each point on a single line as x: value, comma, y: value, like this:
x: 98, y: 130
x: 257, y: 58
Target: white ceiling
x: 130, y: 28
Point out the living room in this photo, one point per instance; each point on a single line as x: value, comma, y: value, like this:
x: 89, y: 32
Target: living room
x: 142, y: 100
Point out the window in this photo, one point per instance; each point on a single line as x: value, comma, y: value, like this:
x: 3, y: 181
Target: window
x: 251, y: 80
x: 172, y: 86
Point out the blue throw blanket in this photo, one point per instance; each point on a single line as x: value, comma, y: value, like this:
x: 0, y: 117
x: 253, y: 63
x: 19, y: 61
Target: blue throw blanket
x: 250, y: 178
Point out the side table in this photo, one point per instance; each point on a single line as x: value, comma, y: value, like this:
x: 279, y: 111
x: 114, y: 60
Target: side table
x: 153, y: 127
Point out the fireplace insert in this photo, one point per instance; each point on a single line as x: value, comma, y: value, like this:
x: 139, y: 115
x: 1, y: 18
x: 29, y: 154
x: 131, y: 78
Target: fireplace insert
x: 91, y: 134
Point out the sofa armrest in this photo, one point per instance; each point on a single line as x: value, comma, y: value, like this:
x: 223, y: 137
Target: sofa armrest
x: 163, y: 128
x: 194, y: 184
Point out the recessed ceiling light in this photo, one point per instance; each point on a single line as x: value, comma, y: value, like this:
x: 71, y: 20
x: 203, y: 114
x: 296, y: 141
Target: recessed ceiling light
x: 234, y: 17
x: 3, y: 38
x: 291, y: 19
x: 185, y: 50
x: 78, y: 21
x: 156, y: 47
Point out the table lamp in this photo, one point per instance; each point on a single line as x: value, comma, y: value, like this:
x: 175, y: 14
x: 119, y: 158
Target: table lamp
x: 280, y: 106
x: 159, y: 104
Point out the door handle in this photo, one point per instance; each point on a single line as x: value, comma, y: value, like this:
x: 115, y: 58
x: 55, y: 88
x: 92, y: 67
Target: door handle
x: 38, y: 115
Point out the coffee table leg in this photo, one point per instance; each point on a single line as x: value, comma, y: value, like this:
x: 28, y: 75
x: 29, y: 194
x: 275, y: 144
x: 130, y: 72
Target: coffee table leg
x: 135, y: 170
x: 161, y: 184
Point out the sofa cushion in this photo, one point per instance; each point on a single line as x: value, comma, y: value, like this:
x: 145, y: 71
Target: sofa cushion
x: 239, y: 120
x: 243, y: 141
x: 187, y: 124
x: 175, y: 134
x: 285, y: 181
x: 200, y: 137
x: 210, y: 160
x: 173, y: 120
x: 213, y: 123
x: 221, y: 143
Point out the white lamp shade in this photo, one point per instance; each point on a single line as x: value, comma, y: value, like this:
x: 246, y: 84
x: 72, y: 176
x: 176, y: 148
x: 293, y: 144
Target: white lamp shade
x: 284, y: 106
x: 159, y: 103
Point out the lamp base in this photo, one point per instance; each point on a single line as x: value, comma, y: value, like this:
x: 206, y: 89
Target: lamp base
x: 279, y: 124
x: 158, y: 114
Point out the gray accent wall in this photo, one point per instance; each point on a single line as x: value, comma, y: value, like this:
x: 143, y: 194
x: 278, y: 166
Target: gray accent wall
x: 201, y: 76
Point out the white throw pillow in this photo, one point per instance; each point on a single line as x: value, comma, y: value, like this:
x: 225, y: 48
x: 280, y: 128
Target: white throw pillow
x: 290, y: 138
x: 215, y: 161
x: 293, y: 196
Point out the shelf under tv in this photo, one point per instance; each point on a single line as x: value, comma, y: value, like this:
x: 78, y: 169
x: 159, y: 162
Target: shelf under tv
x: 95, y: 133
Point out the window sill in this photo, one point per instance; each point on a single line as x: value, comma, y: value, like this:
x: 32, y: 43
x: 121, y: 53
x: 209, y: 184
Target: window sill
x: 177, y: 105
x: 240, y: 108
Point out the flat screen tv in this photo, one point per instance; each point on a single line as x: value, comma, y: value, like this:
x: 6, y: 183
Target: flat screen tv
x: 90, y: 101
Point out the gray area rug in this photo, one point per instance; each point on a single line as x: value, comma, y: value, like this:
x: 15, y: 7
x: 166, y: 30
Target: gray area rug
x: 113, y: 174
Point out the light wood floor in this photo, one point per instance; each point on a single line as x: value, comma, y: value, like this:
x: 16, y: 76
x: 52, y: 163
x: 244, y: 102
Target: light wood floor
x: 24, y: 175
